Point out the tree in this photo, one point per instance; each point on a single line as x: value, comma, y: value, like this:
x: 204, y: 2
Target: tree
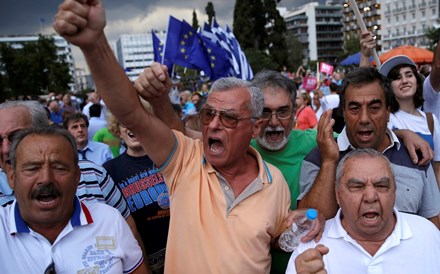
x: 295, y: 54
x: 259, y: 26
x: 352, y: 45
x: 276, y: 38
x: 33, y: 68
x: 210, y: 12
x: 195, y: 22
x: 433, y: 36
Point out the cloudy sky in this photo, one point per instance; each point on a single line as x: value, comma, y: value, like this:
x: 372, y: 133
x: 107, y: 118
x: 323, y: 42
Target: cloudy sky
x: 21, y: 17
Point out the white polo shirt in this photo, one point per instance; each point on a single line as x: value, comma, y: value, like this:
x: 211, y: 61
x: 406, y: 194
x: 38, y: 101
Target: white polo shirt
x: 96, y: 240
x: 412, y: 247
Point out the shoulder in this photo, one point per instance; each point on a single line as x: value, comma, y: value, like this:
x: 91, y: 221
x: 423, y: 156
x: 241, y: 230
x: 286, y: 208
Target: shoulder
x: 88, y: 166
x: 314, y: 156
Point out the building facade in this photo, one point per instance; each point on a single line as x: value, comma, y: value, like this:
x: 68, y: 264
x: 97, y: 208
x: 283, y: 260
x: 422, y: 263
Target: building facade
x: 135, y: 52
x: 404, y: 22
x: 319, y: 29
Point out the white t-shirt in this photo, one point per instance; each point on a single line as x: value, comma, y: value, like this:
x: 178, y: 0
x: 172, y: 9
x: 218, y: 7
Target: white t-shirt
x: 404, y: 120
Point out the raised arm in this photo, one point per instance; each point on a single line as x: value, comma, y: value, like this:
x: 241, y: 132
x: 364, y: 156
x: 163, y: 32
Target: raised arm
x: 82, y: 23
x: 435, y: 69
x: 368, y: 43
x: 418, y: 149
x: 322, y: 193
x: 160, y: 101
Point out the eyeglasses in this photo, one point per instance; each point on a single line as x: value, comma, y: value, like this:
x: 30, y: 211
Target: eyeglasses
x: 227, y: 119
x: 282, y: 114
x: 9, y: 137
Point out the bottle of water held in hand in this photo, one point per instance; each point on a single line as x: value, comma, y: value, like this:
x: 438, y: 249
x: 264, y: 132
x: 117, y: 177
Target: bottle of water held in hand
x: 291, y: 237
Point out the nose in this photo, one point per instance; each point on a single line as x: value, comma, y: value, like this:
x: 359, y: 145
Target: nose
x: 370, y: 194
x: 364, y: 116
x: 215, y: 122
x: 46, y: 175
x: 273, y: 121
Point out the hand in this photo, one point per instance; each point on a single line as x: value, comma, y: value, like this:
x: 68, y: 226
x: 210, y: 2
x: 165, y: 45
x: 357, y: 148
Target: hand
x: 415, y: 144
x: 317, y: 229
x: 368, y: 43
x: 325, y: 138
x: 80, y: 22
x: 310, y: 261
x: 153, y: 82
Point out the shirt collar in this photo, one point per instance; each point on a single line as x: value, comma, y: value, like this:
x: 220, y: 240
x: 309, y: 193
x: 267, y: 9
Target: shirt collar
x: 401, y: 229
x: 81, y: 216
x: 263, y: 170
x: 344, y: 143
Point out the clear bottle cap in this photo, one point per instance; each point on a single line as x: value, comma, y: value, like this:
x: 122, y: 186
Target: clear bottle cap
x: 311, y: 214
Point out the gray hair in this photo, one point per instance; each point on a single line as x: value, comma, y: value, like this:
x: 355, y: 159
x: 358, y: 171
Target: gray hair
x: 36, y: 110
x: 274, y: 79
x: 42, y: 131
x: 257, y: 99
x: 357, y: 154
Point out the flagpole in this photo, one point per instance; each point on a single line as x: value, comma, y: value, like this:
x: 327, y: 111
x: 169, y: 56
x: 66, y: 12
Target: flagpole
x: 361, y: 24
x: 165, y: 45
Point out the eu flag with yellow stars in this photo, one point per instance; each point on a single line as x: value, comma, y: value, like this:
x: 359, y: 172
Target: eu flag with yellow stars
x: 158, y: 51
x: 217, y: 57
x: 180, y: 39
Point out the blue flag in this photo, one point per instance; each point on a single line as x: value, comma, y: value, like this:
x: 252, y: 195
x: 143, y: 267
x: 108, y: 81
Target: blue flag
x: 218, y: 59
x: 180, y: 39
x: 158, y: 47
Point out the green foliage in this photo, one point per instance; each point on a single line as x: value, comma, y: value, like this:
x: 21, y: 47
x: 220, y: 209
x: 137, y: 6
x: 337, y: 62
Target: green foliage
x: 352, y: 45
x: 259, y: 26
x: 295, y: 53
x: 433, y: 36
x: 195, y: 22
x: 259, y: 60
x: 250, y: 24
x: 210, y: 12
x: 33, y: 68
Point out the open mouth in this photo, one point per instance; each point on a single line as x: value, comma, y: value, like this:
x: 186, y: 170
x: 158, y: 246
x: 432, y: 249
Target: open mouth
x: 365, y: 134
x: 215, y: 145
x: 274, y: 135
x: 370, y: 217
x: 46, y: 198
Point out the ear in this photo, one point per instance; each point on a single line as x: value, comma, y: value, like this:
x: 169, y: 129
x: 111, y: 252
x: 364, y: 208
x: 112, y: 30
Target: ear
x: 337, y: 197
x: 388, y: 113
x: 11, y: 175
x: 257, y: 127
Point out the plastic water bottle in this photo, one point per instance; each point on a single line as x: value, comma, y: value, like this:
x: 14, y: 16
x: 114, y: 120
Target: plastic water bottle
x: 291, y: 237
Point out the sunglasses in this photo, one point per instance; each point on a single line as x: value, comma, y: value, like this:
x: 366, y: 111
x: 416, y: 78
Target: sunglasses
x: 227, y: 119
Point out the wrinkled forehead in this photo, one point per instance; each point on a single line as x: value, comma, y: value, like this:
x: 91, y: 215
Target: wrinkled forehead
x: 13, y: 119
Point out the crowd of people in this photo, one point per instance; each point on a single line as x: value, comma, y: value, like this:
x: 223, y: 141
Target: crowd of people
x: 174, y: 181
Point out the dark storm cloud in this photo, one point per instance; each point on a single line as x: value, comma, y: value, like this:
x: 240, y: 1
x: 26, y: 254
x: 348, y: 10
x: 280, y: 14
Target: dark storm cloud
x: 20, y: 17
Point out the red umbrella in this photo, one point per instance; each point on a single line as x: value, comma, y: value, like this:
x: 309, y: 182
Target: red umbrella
x: 418, y: 55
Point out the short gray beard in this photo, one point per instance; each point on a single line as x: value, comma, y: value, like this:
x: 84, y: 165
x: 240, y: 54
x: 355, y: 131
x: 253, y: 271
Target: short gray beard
x: 262, y: 141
